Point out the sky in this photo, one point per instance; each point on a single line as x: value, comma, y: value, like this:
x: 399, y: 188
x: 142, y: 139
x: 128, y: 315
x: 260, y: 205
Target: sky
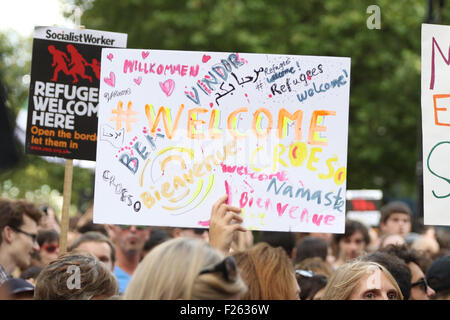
x: 23, y: 15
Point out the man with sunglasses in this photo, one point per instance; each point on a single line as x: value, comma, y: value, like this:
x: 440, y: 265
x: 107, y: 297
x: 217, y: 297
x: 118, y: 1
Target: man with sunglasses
x: 129, y: 242
x: 48, y: 241
x: 19, y: 221
x: 420, y: 290
x: 199, y: 233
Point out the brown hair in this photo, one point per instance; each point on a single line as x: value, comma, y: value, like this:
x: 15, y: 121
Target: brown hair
x: 311, y: 285
x: 268, y: 272
x: 394, y: 207
x: 94, y: 236
x: 351, y: 227
x: 316, y: 265
x: 54, y: 281
x: 310, y: 247
x: 12, y: 212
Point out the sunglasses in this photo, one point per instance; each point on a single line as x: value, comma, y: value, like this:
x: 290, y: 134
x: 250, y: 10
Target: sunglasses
x: 50, y: 248
x: 31, y: 235
x: 128, y: 227
x: 227, y: 267
x: 422, y: 282
x: 199, y: 231
x: 305, y: 273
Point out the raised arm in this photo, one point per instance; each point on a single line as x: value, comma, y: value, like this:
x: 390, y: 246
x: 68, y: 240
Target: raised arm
x: 225, y: 221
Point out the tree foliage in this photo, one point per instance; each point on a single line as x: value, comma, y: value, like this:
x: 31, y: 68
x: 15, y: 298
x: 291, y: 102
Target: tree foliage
x: 31, y: 173
x: 14, y: 65
x: 384, y: 132
x: 385, y: 87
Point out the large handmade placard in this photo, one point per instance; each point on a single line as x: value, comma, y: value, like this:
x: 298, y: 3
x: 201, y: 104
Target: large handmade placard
x: 178, y: 130
x: 63, y: 98
x: 436, y: 123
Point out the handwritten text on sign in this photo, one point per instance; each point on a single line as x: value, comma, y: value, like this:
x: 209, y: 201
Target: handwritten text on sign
x: 177, y: 130
x: 436, y: 123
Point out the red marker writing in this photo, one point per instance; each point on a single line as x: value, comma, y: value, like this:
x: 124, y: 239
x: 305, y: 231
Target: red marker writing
x: 228, y: 191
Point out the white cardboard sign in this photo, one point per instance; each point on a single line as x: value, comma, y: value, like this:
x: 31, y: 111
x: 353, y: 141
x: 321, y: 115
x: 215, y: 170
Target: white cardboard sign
x: 179, y: 129
x: 436, y: 123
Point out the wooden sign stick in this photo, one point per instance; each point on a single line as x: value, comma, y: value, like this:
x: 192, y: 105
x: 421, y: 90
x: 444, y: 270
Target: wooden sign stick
x: 67, y: 192
x: 68, y: 173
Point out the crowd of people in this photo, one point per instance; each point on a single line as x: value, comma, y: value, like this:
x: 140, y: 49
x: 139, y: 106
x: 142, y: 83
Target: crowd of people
x: 226, y: 261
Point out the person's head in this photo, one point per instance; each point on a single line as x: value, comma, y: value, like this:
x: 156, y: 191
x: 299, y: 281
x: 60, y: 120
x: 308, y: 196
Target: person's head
x: 443, y: 238
x: 396, y: 218
x: 326, y: 236
x: 268, y: 273
x: 426, y: 245
x: 362, y: 280
x: 286, y: 240
x: 311, y: 285
x: 49, y: 220
x: 391, y: 239
x: 397, y: 268
x: 19, y: 221
x: 199, y: 233
x: 157, y: 236
x: 374, y: 239
x: 310, y: 247
x: 75, y: 276
x: 129, y: 239
x: 48, y: 241
x: 316, y: 265
x: 353, y: 242
x: 185, y: 268
x: 98, y: 245
x: 438, y: 277
x: 71, y: 48
x: 91, y: 226
x: 31, y: 274
x: 19, y: 289
x: 420, y: 290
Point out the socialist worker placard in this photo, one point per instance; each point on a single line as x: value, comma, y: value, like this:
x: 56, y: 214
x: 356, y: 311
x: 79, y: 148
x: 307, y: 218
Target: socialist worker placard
x: 64, y: 91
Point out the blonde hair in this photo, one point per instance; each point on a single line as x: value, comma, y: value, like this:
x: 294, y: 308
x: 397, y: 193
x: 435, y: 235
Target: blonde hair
x: 346, y: 279
x: 171, y: 271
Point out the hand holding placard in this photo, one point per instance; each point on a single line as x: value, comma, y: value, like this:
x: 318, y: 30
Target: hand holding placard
x: 221, y: 226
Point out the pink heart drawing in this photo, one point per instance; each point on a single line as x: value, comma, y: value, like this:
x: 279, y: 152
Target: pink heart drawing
x: 138, y: 81
x: 111, y: 81
x: 205, y: 58
x: 145, y: 54
x: 167, y: 86
x: 110, y: 56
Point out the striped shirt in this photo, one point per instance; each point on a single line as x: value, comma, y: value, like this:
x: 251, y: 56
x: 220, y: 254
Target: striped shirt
x: 4, y: 275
